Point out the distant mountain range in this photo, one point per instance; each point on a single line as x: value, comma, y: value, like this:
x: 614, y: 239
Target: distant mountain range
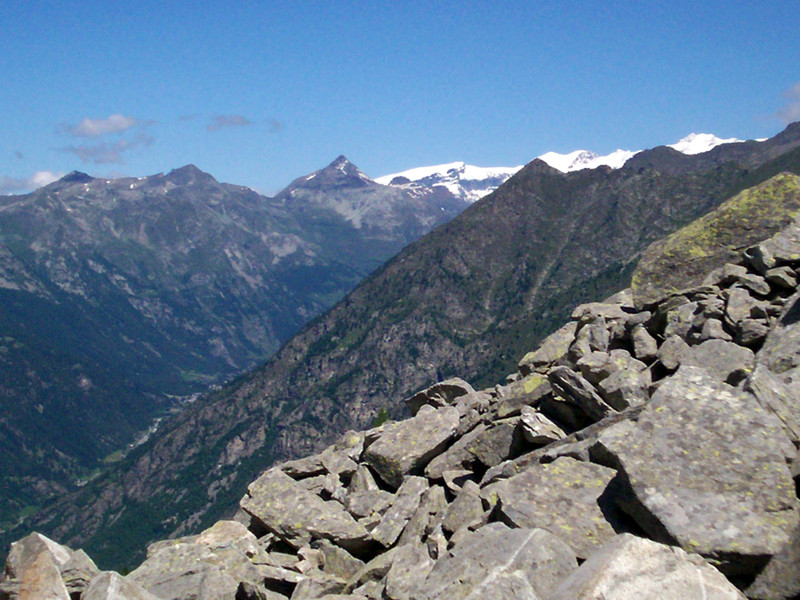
x: 119, y: 296
x: 469, y: 298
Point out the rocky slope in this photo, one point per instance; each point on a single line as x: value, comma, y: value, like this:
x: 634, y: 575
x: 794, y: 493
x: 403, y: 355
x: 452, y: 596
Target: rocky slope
x: 466, y: 300
x: 118, y: 295
x: 646, y: 449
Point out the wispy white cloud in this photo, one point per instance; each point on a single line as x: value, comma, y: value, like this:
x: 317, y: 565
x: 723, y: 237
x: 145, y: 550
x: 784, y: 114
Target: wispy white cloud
x: 221, y: 121
x: 109, y: 153
x: 92, y: 128
x: 790, y: 112
x: 10, y: 185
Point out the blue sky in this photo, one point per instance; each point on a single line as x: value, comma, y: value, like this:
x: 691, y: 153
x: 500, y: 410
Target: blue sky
x: 258, y: 93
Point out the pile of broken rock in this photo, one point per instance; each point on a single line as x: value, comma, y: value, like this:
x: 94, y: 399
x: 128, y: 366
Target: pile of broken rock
x: 646, y: 449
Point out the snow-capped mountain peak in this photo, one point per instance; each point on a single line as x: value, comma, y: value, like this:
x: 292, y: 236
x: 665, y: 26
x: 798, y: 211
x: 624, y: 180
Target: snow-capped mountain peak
x: 697, y: 143
x: 471, y: 183
x: 468, y: 182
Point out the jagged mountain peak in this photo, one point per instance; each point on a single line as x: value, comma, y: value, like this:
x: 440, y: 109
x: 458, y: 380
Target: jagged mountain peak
x: 341, y: 167
x: 189, y: 174
x: 76, y: 177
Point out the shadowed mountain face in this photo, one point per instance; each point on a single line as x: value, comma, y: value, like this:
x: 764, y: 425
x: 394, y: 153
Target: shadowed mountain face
x: 117, y: 296
x: 467, y: 299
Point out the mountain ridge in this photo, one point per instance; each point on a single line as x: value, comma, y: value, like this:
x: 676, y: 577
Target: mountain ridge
x: 122, y: 298
x: 620, y: 458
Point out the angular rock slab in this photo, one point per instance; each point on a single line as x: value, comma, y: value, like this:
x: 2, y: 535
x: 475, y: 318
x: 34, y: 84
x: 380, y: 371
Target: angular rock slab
x: 631, y: 567
x: 780, y: 579
x: 42, y: 580
x: 111, y: 586
x: 704, y: 466
x: 494, y: 551
x: 561, y: 497
x: 408, y: 446
x: 25, y: 551
x: 297, y: 516
x: 404, y: 505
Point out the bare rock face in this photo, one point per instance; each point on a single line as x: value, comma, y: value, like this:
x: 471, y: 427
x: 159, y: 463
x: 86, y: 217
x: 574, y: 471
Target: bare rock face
x: 630, y: 567
x: 706, y: 468
x: 41, y: 579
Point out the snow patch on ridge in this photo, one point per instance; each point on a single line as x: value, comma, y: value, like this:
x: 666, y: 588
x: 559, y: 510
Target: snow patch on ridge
x: 583, y: 159
x: 697, y: 143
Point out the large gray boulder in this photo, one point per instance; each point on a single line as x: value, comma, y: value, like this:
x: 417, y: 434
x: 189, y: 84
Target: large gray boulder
x: 563, y: 497
x: 406, y: 447
x: 494, y: 551
x: 75, y: 569
x: 439, y: 394
x: 25, y: 551
x: 552, y: 348
x: 574, y: 389
x: 705, y: 467
x: 208, y: 566
x: 724, y: 361
x: 629, y: 567
x: 297, y: 516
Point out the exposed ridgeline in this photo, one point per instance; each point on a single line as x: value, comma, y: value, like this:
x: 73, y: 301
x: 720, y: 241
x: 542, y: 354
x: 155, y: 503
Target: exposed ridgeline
x: 117, y: 293
x: 467, y: 299
x: 646, y: 449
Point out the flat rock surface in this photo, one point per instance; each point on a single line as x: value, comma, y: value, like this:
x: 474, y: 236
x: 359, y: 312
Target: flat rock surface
x: 408, y: 446
x: 705, y: 467
x: 723, y: 360
x: 494, y: 551
x: 561, y: 497
x: 629, y: 567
